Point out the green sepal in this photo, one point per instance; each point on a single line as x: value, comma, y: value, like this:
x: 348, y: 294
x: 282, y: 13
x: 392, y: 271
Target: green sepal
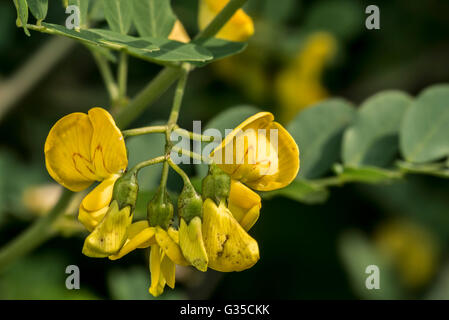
x: 160, y: 210
x: 190, y: 204
x: 126, y: 189
x: 216, y: 185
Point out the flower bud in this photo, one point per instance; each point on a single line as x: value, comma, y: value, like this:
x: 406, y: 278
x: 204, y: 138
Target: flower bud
x: 190, y: 204
x: 126, y: 189
x: 160, y: 210
x: 216, y: 185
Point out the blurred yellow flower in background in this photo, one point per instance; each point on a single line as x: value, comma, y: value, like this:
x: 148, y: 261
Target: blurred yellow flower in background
x: 239, y: 28
x: 412, y: 250
x: 299, y: 85
x: 179, y: 33
x: 81, y: 149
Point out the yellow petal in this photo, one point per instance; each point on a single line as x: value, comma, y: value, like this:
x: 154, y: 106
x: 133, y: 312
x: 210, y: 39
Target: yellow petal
x: 95, y: 205
x: 170, y: 247
x: 259, y: 153
x: 67, y: 152
x: 168, y: 269
x: 179, y: 33
x: 157, y: 279
x: 108, y: 150
x: 242, y: 199
x: 90, y: 219
x: 139, y: 237
x: 81, y: 149
x: 250, y: 218
x: 239, y: 28
x: 109, y: 235
x: 192, y: 244
x: 228, y: 246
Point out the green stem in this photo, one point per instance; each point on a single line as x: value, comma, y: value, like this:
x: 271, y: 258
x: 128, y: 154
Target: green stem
x: 106, y: 74
x: 147, y: 96
x: 194, y: 136
x: 144, y: 130
x: 220, y: 20
x: 35, y: 235
x: 177, y: 102
x: 122, y: 74
x: 191, y: 154
x: 179, y: 171
x: 147, y: 163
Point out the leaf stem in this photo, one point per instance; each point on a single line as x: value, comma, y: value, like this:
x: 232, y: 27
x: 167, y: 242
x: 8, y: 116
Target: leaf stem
x: 106, y: 74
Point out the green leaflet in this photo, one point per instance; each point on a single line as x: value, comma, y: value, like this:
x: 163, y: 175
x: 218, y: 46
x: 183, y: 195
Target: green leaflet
x: 118, y: 14
x: 424, y: 132
x: 153, y: 18
x: 373, y: 138
x: 39, y: 9
x: 22, y: 15
x: 318, y: 131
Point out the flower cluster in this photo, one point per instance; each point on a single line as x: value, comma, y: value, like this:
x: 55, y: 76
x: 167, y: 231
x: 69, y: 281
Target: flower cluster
x: 211, y: 229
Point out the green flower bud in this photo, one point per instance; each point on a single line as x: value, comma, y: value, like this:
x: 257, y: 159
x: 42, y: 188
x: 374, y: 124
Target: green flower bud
x: 126, y: 189
x: 160, y: 210
x: 216, y: 185
x: 190, y: 204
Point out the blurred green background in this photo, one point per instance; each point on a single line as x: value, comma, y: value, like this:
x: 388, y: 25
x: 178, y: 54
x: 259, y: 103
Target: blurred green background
x: 302, y: 52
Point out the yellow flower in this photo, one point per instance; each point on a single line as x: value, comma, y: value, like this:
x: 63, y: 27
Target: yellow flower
x: 165, y: 253
x: 228, y: 246
x: 110, y: 234
x: 239, y: 28
x: 412, y: 250
x: 179, y: 33
x: 244, y: 204
x: 192, y: 244
x: 81, y: 149
x: 299, y: 85
x: 260, y: 153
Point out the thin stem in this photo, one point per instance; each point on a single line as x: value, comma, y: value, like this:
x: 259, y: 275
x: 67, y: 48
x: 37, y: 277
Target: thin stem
x: 144, y: 130
x: 177, y: 102
x: 179, y: 171
x: 106, y: 74
x: 147, y: 96
x: 164, y: 175
x: 190, y: 154
x: 122, y: 74
x: 194, y: 136
x: 147, y: 163
x: 35, y: 235
x: 220, y: 20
